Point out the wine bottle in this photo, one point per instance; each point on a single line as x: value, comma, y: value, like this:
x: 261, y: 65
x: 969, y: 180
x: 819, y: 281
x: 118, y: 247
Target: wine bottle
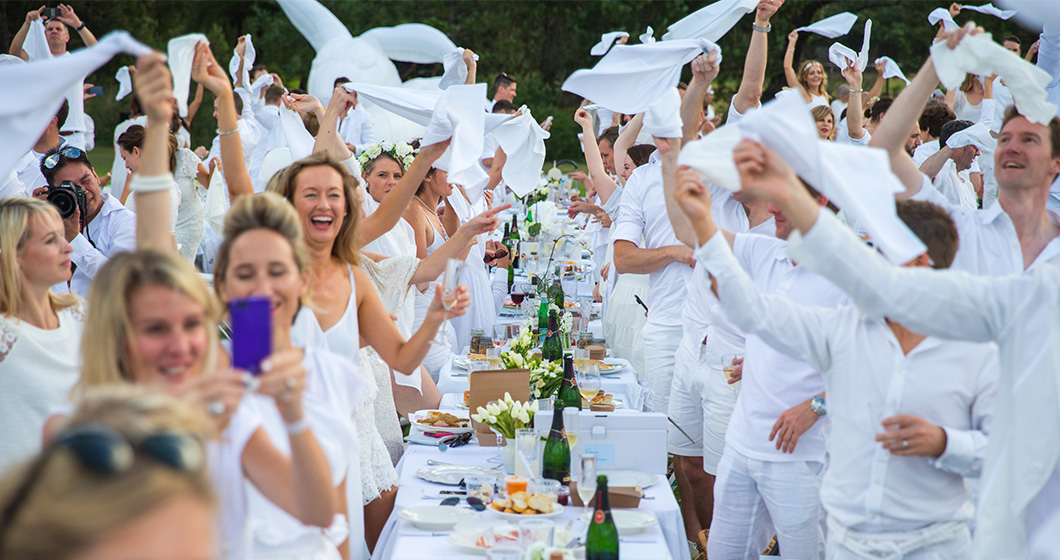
x: 514, y: 240
x: 601, y: 541
x: 555, y: 291
x: 568, y: 388
x: 542, y: 322
x: 552, y: 348
x: 555, y: 462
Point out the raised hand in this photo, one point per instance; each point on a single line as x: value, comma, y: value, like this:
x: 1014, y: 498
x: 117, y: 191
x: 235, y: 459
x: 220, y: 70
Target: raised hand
x: 853, y: 75
x: 431, y: 153
x: 154, y: 87
x: 67, y: 16
x: 218, y: 394
x: 581, y: 116
x: 766, y: 9
x: 241, y: 46
x: 206, y: 71
x: 792, y: 38
x: 34, y: 15
x: 762, y: 173
x: 704, y: 67
x: 438, y: 312
x: 955, y: 9
x: 485, y: 222
x: 283, y: 379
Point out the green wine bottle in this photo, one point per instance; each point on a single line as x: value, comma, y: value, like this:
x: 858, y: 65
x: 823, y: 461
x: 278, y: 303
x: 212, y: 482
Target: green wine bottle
x: 601, y: 541
x: 542, y: 322
x: 552, y: 348
x: 568, y: 388
x: 555, y: 462
x: 514, y: 239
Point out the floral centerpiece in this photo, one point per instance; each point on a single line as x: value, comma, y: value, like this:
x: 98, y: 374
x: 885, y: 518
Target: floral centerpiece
x: 402, y: 152
x: 506, y: 416
x: 545, y: 377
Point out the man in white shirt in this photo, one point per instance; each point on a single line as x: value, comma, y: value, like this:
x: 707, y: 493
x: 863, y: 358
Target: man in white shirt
x: 109, y: 228
x: 908, y: 413
x: 504, y: 86
x: 949, y: 168
x: 842, y: 99
x: 28, y: 168
x: 355, y: 128
x: 931, y: 121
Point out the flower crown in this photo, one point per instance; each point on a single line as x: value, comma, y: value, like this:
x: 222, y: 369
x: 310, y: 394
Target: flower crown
x: 402, y: 152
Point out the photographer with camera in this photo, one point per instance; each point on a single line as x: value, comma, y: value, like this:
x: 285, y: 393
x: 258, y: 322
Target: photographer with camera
x: 96, y: 225
x: 28, y: 168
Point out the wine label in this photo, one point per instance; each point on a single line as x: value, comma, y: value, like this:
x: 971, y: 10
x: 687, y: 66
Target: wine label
x: 598, y: 517
x: 563, y: 477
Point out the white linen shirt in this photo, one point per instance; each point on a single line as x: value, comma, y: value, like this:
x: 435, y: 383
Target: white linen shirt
x: 356, y: 128
x: 772, y: 382
x: 868, y: 377
x: 956, y: 186
x: 1022, y: 314
x: 113, y: 231
x: 642, y: 215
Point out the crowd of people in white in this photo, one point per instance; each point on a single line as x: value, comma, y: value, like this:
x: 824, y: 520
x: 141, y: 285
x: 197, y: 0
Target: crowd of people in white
x: 827, y: 388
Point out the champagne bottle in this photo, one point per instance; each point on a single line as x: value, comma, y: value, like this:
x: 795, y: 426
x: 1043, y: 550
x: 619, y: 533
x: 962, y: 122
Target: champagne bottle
x: 601, y: 542
x: 514, y: 239
x: 552, y: 348
x: 568, y: 389
x: 542, y: 322
x: 555, y: 462
x: 555, y: 291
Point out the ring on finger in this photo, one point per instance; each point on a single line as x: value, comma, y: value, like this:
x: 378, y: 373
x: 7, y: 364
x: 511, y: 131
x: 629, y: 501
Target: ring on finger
x: 285, y: 396
x: 905, y: 444
x: 289, y: 383
x: 216, y: 408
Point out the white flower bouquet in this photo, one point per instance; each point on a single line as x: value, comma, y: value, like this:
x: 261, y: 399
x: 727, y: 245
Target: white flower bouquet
x: 506, y: 416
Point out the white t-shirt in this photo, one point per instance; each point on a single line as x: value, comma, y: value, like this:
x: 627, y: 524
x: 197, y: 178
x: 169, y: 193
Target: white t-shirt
x: 225, y: 461
x: 956, y: 186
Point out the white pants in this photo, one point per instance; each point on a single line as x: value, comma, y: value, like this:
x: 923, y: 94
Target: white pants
x: 941, y: 541
x: 719, y: 398
x: 753, y: 499
x: 660, y: 348
x: 686, y: 403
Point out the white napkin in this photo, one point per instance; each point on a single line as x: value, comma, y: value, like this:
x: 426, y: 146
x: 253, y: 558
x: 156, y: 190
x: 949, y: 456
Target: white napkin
x: 10, y: 59
x: 648, y: 36
x: 26, y: 110
x: 248, y: 61
x: 832, y: 27
x: 1034, y: 13
x: 455, y: 69
x: 711, y: 22
x: 784, y: 126
x: 632, y: 77
x: 181, y: 52
x: 839, y: 53
x: 416, y: 105
x: 216, y: 205
x: 459, y: 115
x: 663, y: 118
x: 979, y: 54
x: 124, y: 83
x: 891, y: 69
x: 36, y: 46
x: 298, y: 139
x: 977, y: 135
x: 263, y: 81
x: 989, y: 9
x: 942, y: 14
x: 523, y: 141
x: 606, y: 40
x: 36, y: 42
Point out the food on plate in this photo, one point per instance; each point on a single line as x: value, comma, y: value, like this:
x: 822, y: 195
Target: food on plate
x: 600, y: 398
x: 503, y: 535
x: 467, y: 399
x: 475, y: 357
x: 443, y: 420
x: 601, y: 365
x: 524, y: 504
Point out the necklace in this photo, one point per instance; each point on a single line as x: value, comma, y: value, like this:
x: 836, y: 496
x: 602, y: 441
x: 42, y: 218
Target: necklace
x: 424, y: 204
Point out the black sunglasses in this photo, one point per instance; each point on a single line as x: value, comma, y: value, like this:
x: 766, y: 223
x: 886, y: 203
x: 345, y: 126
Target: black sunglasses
x: 68, y: 152
x: 475, y: 503
x: 454, y: 441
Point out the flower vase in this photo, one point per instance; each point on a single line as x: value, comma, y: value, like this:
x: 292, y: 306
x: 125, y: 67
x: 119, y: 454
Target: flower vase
x: 508, y: 455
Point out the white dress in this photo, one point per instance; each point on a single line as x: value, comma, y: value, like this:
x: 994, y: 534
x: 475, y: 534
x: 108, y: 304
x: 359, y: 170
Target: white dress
x: 964, y: 110
x: 439, y: 354
x: 37, y: 369
x: 481, y: 314
x: 224, y: 458
x: 816, y: 100
x: 191, y: 221
x: 624, y: 318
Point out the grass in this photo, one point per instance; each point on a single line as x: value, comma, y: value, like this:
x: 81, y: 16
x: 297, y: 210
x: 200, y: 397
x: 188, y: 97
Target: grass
x: 102, y: 158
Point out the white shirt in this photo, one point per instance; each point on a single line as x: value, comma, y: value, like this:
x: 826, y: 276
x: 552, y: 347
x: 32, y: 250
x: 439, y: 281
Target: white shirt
x: 642, y: 215
x: 843, y: 135
x: 112, y: 231
x: 224, y: 458
x: 956, y: 186
x: 925, y: 150
x: 989, y: 244
x: 772, y: 382
x: 356, y: 128
x: 868, y: 378
x: 837, y: 109
x: 1022, y: 314
x: 1002, y: 101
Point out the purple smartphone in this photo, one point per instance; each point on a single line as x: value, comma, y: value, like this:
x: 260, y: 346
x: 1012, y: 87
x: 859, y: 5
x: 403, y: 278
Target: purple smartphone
x: 251, y: 332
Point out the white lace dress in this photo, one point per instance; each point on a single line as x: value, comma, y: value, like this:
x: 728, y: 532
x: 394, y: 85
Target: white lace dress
x: 191, y: 220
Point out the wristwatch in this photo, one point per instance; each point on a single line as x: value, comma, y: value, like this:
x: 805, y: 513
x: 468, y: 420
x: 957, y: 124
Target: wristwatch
x: 766, y: 29
x: 817, y: 405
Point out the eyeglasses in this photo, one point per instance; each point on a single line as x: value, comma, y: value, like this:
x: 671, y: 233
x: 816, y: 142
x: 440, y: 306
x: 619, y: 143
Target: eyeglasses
x: 108, y: 452
x: 68, y: 152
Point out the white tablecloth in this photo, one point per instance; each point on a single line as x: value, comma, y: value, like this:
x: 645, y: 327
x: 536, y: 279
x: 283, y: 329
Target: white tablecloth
x: 400, y: 540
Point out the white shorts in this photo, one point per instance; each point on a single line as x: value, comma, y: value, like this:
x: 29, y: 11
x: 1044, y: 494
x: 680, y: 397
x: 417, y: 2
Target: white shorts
x: 719, y: 398
x: 660, y: 347
x: 687, y: 402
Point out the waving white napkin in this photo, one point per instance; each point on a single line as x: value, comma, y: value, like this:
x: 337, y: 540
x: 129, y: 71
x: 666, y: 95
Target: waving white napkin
x: 663, y: 118
x: 784, y: 126
x: 979, y: 54
x: 832, y: 27
x: 977, y: 135
x: 416, y: 105
x: 648, y: 36
x: 891, y: 69
x: 297, y: 138
x: 263, y: 81
x: 25, y: 111
x: 839, y: 54
x: 455, y: 69
x: 711, y: 22
x: 632, y: 77
x: 606, y: 40
x: 249, y: 56
x: 942, y: 14
x: 36, y: 46
x: 36, y: 43
x: 124, y: 83
x: 523, y: 141
x: 989, y: 9
x: 181, y: 52
x: 459, y: 115
x: 1034, y: 13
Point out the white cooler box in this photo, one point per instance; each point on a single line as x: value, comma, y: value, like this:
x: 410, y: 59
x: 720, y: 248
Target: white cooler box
x: 624, y: 439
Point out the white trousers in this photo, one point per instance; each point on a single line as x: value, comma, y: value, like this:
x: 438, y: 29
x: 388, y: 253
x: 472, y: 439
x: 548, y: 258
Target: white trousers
x: 940, y: 541
x: 660, y: 348
x: 719, y: 399
x: 753, y: 499
x: 686, y: 403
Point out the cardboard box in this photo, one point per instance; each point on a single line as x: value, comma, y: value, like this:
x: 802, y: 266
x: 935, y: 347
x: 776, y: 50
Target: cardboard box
x: 618, y: 496
x: 490, y: 385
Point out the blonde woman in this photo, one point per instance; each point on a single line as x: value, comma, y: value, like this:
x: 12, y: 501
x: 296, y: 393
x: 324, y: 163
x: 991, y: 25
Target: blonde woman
x: 824, y: 120
x: 40, y: 331
x: 810, y: 81
x: 125, y: 478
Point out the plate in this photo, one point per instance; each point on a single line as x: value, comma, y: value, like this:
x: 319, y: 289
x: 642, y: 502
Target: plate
x: 461, y: 363
x: 422, y: 439
x: 451, y: 475
x: 556, y: 510
x: 467, y: 535
x: 618, y: 477
x: 417, y: 416
x: 618, y: 365
x: 628, y: 522
x: 435, y: 518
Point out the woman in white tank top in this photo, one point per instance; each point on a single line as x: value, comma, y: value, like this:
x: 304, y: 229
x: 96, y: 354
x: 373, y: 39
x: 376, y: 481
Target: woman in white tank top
x: 810, y: 81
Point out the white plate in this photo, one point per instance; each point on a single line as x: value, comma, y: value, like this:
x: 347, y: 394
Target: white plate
x: 435, y: 518
x: 618, y: 477
x: 627, y: 521
x: 461, y: 363
x: 451, y: 475
x: 417, y: 416
x: 618, y: 366
x: 422, y: 439
x: 556, y: 510
x: 465, y: 539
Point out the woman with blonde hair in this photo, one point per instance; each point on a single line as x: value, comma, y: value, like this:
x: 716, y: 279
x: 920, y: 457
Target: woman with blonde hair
x: 125, y: 478
x: 40, y: 331
x: 825, y: 122
x: 966, y: 100
x: 810, y: 81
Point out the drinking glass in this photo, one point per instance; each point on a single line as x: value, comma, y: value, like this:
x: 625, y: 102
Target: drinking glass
x: 571, y: 425
x: 493, y: 356
x: 589, y: 381
x: 587, y: 479
x: 501, y: 335
x: 454, y: 270
x: 533, y: 531
x: 546, y: 487
x: 728, y: 365
x: 526, y: 463
x: 504, y: 553
x: 481, y: 486
x: 581, y: 358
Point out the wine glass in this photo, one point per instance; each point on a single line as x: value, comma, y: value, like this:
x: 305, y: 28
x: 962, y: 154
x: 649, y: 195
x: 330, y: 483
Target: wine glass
x: 587, y: 479
x: 454, y: 270
x: 728, y: 365
x: 589, y: 381
x: 571, y: 425
x: 500, y: 335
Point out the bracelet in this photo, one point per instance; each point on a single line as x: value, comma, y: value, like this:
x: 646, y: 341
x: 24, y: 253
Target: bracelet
x: 80, y: 28
x: 766, y: 29
x: 297, y: 427
x: 155, y: 183
x: 791, y: 49
x: 227, y: 132
x: 857, y: 91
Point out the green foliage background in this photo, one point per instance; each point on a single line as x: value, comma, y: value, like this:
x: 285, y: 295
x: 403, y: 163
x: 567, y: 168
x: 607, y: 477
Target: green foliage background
x: 540, y: 42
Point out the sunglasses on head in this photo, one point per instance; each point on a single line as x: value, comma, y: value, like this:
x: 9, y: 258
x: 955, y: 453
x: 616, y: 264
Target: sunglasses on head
x: 68, y: 152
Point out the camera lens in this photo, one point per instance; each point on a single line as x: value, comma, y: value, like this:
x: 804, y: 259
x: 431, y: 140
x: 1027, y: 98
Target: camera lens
x: 63, y: 200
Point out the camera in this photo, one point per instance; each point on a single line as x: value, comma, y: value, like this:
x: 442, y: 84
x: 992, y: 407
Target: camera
x: 68, y: 198
x: 52, y: 13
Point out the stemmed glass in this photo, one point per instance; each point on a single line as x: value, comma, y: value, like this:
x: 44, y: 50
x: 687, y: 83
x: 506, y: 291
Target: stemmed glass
x: 572, y: 425
x: 589, y: 381
x: 454, y: 270
x: 500, y: 335
x: 728, y: 365
x: 587, y: 479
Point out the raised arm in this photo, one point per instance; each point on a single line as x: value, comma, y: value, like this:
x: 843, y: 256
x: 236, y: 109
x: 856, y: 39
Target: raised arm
x: 193, y: 107
x: 934, y: 164
x: 328, y: 139
x: 703, y: 73
x: 877, y: 86
x: 393, y: 206
x: 749, y: 95
x: 67, y: 16
x: 20, y: 37
x: 152, y: 185
x: 241, y: 51
x: 893, y: 130
x: 206, y: 71
x: 627, y: 139
x: 602, y: 181
x: 790, y: 75
x: 855, y: 115
x: 472, y: 66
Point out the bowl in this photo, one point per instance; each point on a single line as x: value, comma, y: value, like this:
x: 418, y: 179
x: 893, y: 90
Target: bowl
x: 435, y: 518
